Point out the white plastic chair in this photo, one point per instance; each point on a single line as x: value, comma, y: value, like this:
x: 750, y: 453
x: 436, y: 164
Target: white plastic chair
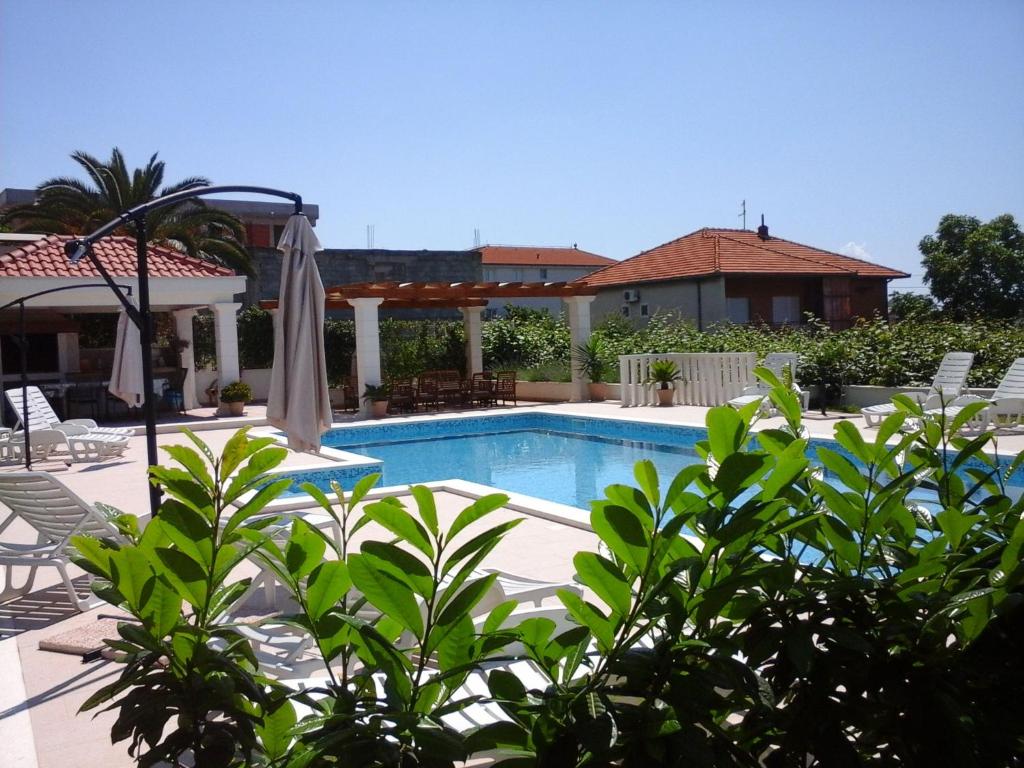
x: 42, y: 416
x: 950, y: 382
x: 287, y: 653
x: 776, y: 362
x: 56, y: 514
x: 49, y: 443
x: 1006, y: 406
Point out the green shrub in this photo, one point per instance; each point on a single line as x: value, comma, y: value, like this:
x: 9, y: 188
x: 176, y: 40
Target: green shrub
x: 236, y: 392
x: 750, y: 611
x: 255, y: 338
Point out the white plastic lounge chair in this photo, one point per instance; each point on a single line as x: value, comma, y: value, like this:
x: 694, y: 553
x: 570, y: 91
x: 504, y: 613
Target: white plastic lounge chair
x: 42, y: 416
x: 56, y: 514
x: 51, y: 443
x: 285, y: 653
x: 776, y: 362
x: 949, y: 382
x: 1006, y: 406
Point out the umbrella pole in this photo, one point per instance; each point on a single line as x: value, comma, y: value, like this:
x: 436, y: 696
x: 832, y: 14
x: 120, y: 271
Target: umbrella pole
x: 146, y: 338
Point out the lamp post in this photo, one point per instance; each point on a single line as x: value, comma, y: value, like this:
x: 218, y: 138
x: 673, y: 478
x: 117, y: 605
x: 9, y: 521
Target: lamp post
x: 81, y: 247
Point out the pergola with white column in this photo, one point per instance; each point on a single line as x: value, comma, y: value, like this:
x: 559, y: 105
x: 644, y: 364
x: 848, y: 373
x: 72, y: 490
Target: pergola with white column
x: 177, y: 284
x: 368, y: 299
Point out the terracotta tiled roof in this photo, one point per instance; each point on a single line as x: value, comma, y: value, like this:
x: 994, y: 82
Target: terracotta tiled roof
x: 733, y: 252
x: 525, y: 255
x: 46, y: 258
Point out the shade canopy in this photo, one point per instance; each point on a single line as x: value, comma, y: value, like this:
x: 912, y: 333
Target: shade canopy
x: 299, y: 403
x: 126, y: 379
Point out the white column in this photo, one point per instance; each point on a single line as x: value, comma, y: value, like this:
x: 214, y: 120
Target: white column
x: 183, y: 330
x: 225, y: 329
x: 578, y: 309
x: 367, y: 346
x: 474, y: 345
x: 68, y: 360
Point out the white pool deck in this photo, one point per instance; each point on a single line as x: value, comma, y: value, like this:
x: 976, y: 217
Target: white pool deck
x: 40, y: 692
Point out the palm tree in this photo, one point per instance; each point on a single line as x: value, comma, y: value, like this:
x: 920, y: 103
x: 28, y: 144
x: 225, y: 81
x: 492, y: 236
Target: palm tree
x: 70, y: 206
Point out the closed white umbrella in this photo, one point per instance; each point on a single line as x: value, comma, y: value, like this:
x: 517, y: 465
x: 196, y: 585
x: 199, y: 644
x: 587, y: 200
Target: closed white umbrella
x: 126, y: 380
x: 299, y: 403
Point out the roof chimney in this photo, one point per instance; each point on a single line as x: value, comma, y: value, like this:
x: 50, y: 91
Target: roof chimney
x: 762, y: 231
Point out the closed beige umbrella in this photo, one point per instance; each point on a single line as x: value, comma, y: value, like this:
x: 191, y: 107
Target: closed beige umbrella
x: 126, y: 380
x: 299, y: 403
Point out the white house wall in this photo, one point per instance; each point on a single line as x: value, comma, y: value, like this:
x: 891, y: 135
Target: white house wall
x: 531, y: 274
x: 679, y: 296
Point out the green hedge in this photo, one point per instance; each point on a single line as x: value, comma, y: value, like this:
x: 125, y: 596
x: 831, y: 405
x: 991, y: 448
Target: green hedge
x: 872, y: 352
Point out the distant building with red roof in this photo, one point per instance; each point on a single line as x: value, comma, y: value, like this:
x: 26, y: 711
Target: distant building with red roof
x: 715, y: 275
x: 530, y: 264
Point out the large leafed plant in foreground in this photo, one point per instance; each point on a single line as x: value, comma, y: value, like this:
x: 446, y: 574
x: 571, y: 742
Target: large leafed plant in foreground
x: 758, y: 609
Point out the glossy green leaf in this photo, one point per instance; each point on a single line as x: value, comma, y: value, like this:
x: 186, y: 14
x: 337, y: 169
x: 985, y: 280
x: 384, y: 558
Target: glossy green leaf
x: 327, y: 584
x: 623, y: 532
x: 304, y: 550
x: 401, y: 524
x: 478, y: 509
x: 427, y: 508
x: 605, y: 579
x: 388, y: 594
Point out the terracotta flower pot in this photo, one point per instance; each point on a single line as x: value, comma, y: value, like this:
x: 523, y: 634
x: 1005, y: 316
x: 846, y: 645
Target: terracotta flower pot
x: 598, y: 391
x: 379, y: 408
x: 236, y: 409
x: 665, y: 396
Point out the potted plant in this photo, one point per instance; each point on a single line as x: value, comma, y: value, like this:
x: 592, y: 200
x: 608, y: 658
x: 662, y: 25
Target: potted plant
x: 236, y: 395
x: 664, y: 373
x: 591, y: 364
x: 377, y: 395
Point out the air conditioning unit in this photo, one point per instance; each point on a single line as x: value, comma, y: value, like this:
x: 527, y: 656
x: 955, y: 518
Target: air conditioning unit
x: 632, y: 295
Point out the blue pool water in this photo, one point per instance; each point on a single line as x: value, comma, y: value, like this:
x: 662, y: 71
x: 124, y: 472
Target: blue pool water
x: 565, y: 459
x: 558, y: 466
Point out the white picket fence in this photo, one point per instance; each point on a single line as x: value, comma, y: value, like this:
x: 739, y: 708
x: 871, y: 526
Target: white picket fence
x: 708, y: 378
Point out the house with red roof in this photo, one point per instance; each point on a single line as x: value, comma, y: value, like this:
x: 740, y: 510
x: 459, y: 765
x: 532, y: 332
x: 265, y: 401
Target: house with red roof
x: 178, y: 285
x: 531, y: 264
x: 741, y: 276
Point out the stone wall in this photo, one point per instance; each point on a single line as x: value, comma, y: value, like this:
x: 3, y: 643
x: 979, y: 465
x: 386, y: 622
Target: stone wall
x: 339, y: 266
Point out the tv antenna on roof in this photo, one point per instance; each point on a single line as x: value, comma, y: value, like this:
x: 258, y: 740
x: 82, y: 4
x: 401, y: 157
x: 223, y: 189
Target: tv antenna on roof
x: 370, y: 235
x: 476, y: 238
x: 743, y: 213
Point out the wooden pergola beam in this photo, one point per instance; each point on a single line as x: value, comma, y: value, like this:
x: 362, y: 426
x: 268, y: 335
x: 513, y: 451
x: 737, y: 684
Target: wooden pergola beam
x: 444, y: 295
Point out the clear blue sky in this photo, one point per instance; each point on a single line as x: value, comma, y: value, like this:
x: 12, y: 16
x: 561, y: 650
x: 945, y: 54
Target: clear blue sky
x: 618, y: 126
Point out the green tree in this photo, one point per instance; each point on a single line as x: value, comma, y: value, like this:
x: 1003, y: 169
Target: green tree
x: 909, y: 306
x: 69, y: 206
x: 976, y: 269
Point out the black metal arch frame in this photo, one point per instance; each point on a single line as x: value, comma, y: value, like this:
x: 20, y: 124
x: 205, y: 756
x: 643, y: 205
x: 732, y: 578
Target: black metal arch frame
x: 81, y: 247
x: 22, y: 342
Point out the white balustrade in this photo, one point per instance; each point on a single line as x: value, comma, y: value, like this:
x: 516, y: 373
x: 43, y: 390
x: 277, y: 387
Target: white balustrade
x: 707, y: 378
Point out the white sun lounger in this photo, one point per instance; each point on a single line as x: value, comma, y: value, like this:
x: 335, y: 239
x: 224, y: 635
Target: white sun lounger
x: 47, y: 444
x: 42, y: 416
x: 1006, y: 406
x: 949, y: 382
x: 286, y: 653
x: 776, y: 362
x: 56, y: 514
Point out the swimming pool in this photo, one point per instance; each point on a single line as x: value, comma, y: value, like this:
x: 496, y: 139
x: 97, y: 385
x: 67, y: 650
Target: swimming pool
x: 555, y: 457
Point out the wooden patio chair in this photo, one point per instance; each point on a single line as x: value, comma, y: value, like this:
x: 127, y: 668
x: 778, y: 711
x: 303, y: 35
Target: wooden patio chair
x: 505, y: 387
x: 403, y: 395
x: 428, y: 390
x: 482, y: 389
x: 449, y: 388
